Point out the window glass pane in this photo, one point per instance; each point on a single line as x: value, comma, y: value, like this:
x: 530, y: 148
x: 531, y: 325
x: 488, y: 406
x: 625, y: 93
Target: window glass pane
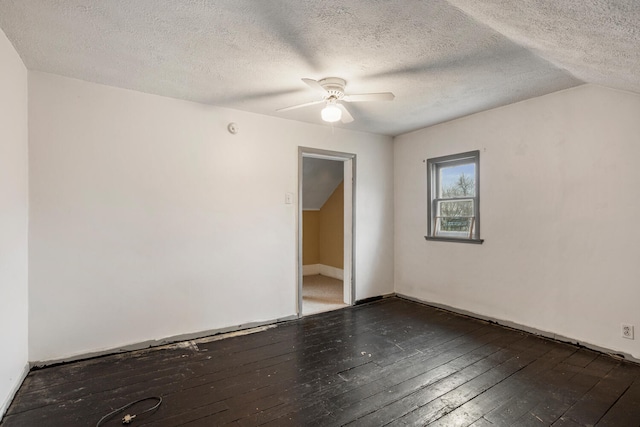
x: 457, y: 181
x: 455, y: 208
x: 455, y: 216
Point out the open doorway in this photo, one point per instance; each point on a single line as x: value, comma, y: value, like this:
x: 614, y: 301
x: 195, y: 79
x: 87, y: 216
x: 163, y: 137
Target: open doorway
x: 325, y: 231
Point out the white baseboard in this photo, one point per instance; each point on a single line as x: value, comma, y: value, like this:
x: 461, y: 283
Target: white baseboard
x: 310, y: 269
x: 325, y: 270
x: 336, y: 273
x: 14, y: 390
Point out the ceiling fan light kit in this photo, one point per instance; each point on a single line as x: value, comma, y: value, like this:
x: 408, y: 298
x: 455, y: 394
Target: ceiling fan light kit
x: 331, y: 113
x: 334, y: 97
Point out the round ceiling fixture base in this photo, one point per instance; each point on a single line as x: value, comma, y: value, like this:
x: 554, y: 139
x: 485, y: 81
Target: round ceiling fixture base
x: 334, y: 87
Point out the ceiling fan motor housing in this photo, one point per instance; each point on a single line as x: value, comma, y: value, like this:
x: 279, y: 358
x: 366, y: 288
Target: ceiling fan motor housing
x: 334, y: 87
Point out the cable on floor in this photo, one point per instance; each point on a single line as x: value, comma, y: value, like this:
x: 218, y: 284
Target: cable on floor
x: 128, y: 418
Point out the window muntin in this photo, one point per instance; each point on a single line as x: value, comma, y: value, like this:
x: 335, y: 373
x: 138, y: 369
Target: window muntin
x: 453, y: 184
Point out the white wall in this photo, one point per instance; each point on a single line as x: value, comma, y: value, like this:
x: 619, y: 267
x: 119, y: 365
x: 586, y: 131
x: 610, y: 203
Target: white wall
x: 149, y: 220
x: 13, y: 221
x: 560, y: 211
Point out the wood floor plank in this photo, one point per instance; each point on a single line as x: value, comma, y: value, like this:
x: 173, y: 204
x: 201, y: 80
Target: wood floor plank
x: 626, y: 410
x: 406, y: 368
x: 430, y: 392
x: 482, y: 422
x: 566, y: 422
x: 520, y: 393
x: 582, y: 358
x: 597, y: 401
x: 404, y: 397
x: 451, y: 394
x: 459, y: 411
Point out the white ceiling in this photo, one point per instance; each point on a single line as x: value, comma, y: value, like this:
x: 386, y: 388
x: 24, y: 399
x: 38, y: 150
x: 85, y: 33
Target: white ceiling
x: 442, y: 59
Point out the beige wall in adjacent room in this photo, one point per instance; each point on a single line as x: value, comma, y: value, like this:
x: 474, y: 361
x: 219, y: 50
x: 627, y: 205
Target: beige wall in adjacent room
x: 310, y: 233
x: 323, y: 232
x: 331, y: 237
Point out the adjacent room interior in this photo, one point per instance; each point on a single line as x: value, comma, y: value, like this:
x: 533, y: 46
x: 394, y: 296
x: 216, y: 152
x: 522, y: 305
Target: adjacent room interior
x: 323, y: 242
x: 153, y: 164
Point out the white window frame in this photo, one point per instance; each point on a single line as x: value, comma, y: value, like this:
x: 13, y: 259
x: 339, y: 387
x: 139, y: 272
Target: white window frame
x: 433, y: 177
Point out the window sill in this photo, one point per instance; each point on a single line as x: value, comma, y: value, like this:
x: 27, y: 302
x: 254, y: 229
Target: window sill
x: 454, y: 239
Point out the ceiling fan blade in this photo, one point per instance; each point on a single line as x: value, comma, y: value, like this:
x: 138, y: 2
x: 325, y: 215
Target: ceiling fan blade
x: 315, y: 86
x: 306, y: 104
x: 346, y: 115
x: 365, y: 97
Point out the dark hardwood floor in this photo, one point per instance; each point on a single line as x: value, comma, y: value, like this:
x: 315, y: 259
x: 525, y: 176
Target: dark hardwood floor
x: 391, y: 362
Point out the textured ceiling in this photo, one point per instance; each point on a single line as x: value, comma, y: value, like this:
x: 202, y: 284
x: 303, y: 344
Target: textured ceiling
x: 442, y: 59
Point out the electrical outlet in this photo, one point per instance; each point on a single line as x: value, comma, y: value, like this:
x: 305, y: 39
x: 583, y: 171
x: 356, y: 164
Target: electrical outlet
x: 627, y: 331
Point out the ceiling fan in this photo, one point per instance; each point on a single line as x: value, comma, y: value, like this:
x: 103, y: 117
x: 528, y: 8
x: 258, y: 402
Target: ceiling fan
x: 333, y: 96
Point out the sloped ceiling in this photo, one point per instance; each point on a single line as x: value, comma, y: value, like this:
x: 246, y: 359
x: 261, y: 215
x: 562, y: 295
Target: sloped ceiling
x: 442, y: 59
x: 320, y: 178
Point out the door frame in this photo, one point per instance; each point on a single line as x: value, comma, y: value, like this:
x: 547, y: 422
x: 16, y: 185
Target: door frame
x: 349, y: 161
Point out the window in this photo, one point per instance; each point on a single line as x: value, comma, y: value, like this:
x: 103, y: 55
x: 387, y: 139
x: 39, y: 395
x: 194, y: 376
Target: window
x: 453, y: 184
